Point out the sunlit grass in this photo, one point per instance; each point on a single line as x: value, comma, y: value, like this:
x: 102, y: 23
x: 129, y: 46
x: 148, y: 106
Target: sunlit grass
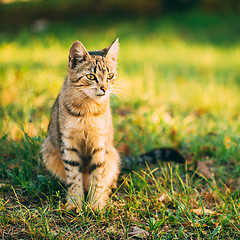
x: 197, y: 78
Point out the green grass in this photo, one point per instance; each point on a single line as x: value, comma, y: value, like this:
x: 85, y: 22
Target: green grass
x: 179, y: 86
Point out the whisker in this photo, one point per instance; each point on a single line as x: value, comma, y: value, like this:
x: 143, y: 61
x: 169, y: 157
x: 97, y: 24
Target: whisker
x: 119, y: 87
x: 120, y: 93
x: 86, y: 87
x: 121, y: 98
x: 80, y: 96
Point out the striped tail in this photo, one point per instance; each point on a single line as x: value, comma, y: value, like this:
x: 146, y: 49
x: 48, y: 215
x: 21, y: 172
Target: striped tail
x: 152, y: 157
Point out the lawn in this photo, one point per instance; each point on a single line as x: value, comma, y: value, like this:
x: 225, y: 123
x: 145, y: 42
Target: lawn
x: 178, y: 86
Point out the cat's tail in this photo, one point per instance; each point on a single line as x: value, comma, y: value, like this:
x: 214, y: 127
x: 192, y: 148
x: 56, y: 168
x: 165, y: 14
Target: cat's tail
x: 152, y: 157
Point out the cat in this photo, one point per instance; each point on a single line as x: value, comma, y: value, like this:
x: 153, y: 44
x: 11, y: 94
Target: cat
x: 78, y: 148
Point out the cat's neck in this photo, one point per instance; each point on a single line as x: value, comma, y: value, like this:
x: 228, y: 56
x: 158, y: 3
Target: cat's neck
x: 87, y: 106
x: 94, y: 108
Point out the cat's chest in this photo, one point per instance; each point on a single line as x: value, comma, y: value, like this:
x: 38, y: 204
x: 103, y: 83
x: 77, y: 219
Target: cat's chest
x: 86, y: 127
x: 86, y: 134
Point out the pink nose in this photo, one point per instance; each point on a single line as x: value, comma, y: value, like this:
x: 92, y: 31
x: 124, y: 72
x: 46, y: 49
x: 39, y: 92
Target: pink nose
x: 104, y: 89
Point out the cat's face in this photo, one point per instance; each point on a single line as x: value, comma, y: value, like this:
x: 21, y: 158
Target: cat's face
x: 92, y: 74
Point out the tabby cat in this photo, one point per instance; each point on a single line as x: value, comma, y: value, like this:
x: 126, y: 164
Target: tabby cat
x: 78, y: 148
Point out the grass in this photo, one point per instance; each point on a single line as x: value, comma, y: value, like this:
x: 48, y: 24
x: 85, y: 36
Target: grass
x: 179, y: 86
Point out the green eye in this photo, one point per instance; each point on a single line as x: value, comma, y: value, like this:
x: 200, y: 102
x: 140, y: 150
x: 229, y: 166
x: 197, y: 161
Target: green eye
x: 110, y: 76
x: 91, y: 76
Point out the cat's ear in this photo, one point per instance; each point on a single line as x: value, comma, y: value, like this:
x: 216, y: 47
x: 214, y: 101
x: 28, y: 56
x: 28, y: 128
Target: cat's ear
x: 112, y: 51
x: 77, y: 53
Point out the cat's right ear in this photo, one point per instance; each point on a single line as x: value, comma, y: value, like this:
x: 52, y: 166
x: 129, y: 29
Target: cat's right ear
x: 77, y: 53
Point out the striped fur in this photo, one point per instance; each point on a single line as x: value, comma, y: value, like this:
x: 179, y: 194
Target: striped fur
x: 79, y: 147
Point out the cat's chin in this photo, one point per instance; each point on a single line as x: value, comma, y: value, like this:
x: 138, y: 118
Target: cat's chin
x: 100, y: 98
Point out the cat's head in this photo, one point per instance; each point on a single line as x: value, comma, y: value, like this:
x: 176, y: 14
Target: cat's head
x: 93, y: 73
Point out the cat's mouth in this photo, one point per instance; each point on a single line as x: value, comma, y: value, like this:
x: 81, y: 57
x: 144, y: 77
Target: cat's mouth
x: 101, y: 94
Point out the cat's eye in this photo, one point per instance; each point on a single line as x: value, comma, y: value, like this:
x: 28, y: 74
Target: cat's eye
x: 91, y: 77
x: 110, y: 76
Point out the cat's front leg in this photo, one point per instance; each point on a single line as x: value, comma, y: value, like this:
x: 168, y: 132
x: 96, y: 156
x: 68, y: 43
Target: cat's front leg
x: 74, y: 177
x: 103, y: 170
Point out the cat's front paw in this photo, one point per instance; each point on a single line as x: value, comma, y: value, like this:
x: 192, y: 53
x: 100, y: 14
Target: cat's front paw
x: 73, y: 207
x: 74, y: 204
x: 98, y: 205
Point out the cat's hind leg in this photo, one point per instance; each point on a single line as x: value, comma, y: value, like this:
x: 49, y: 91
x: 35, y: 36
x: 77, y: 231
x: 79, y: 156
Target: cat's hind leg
x: 53, y: 160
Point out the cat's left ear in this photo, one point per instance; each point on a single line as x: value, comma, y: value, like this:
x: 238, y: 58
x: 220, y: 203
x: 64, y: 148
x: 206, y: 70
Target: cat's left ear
x: 77, y: 53
x: 112, y: 51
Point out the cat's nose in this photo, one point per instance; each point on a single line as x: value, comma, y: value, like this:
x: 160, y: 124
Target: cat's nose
x: 104, y: 89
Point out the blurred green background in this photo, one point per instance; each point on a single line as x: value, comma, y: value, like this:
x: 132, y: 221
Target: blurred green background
x: 179, y: 64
